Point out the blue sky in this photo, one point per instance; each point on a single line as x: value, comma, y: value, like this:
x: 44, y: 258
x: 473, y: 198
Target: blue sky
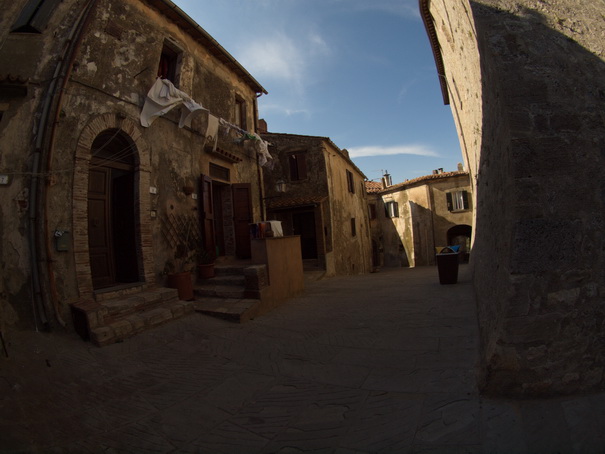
x: 358, y: 71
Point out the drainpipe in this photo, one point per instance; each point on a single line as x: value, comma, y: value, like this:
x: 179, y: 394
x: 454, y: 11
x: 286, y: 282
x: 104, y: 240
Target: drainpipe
x: 37, y: 231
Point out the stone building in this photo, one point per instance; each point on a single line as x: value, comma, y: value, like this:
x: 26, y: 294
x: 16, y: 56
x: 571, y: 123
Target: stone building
x: 524, y: 80
x: 324, y: 201
x: 126, y: 130
x: 412, y: 220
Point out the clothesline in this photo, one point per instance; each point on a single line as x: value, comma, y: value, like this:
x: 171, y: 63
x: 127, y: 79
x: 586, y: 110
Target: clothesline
x: 164, y: 96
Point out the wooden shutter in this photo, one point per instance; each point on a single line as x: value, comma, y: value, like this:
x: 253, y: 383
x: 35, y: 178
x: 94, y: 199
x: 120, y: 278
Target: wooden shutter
x: 242, y: 217
x: 465, y: 200
x: 450, y: 206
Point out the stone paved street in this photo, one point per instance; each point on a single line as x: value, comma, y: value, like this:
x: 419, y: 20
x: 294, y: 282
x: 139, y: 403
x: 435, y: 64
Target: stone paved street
x: 381, y: 363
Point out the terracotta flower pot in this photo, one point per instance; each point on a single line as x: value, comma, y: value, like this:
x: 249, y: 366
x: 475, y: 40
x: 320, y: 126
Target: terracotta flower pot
x: 205, y: 271
x: 183, y: 283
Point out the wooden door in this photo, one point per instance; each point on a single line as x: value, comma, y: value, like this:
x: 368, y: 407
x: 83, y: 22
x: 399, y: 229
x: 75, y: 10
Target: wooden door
x: 242, y: 217
x: 304, y: 225
x: 99, y: 233
x: 123, y: 226
x: 207, y: 213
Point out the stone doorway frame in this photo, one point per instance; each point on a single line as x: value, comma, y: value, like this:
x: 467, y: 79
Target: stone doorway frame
x: 83, y: 157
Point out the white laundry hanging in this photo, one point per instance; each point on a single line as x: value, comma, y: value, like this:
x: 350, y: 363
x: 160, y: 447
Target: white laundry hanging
x: 162, y: 98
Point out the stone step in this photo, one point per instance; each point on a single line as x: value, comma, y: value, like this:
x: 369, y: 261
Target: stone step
x: 233, y: 309
x: 122, y: 328
x: 234, y: 280
x: 115, y: 319
x: 229, y: 270
x: 210, y: 290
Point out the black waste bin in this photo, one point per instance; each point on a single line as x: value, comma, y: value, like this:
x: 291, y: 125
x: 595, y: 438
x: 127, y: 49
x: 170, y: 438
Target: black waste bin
x: 447, y: 263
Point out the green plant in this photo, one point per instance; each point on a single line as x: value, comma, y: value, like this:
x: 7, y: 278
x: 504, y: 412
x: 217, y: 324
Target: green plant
x: 204, y: 257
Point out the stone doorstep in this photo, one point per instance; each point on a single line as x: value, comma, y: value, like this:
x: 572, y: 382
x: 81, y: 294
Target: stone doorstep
x: 224, y: 279
x: 233, y: 309
x: 129, y: 325
x: 115, y: 319
x: 220, y: 291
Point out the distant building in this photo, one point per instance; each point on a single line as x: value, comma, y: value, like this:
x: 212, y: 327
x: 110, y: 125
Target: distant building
x: 413, y: 220
x: 324, y: 202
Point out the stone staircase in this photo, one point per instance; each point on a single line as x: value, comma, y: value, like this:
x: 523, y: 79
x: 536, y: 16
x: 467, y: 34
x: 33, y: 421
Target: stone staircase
x: 117, y: 315
x: 233, y: 294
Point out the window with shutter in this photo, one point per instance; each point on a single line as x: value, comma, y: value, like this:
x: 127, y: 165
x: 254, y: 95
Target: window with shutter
x: 457, y: 201
x: 169, y: 66
x: 34, y: 16
x: 298, y: 166
x: 350, y: 182
x: 391, y: 209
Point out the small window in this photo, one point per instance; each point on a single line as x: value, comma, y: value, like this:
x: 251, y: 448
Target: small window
x: 298, y: 166
x: 169, y: 64
x: 353, y: 227
x: 350, y: 182
x: 372, y: 210
x: 219, y: 172
x: 457, y: 201
x: 391, y: 210
x: 240, y: 113
x: 34, y: 16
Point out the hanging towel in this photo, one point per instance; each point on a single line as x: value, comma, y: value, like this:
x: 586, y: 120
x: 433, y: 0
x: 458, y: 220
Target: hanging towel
x: 162, y: 98
x: 212, y: 131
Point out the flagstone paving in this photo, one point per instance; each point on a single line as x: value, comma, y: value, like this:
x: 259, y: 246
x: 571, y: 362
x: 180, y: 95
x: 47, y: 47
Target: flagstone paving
x: 381, y: 363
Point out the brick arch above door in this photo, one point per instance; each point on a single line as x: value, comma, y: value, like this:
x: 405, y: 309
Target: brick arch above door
x: 83, y: 156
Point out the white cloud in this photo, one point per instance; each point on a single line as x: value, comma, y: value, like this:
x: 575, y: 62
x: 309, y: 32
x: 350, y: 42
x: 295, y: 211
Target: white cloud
x: 275, y: 58
x: 377, y: 150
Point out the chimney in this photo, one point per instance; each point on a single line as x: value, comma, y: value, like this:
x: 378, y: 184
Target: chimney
x: 262, y: 126
x: 386, y: 180
x: 460, y: 167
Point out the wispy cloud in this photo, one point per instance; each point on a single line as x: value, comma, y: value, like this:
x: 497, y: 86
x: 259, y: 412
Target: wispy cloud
x: 403, y: 8
x: 377, y: 150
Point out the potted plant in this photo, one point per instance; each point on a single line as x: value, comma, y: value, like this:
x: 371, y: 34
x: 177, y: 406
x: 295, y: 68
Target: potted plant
x: 205, y: 264
x: 178, y: 272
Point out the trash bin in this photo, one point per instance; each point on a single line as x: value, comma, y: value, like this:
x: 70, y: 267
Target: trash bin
x: 447, y: 264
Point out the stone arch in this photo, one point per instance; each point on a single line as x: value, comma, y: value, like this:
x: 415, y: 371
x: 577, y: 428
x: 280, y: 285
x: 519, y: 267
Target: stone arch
x: 128, y: 127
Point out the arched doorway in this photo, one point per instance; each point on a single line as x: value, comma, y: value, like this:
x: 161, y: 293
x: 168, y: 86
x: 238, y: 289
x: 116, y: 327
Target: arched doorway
x: 112, y: 210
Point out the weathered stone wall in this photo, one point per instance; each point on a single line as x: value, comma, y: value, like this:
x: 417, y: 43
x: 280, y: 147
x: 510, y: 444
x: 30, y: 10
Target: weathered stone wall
x: 113, y: 69
x: 21, y: 116
x: 525, y: 81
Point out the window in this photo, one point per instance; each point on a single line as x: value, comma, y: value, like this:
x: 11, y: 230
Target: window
x: 350, y: 182
x: 35, y: 16
x: 457, y: 201
x: 219, y: 172
x: 169, y: 63
x: 240, y: 113
x: 391, y: 210
x: 353, y: 227
x: 298, y: 166
x: 372, y: 210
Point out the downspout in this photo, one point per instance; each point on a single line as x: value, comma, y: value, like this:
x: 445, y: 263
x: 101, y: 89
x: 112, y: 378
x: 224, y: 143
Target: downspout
x: 37, y: 232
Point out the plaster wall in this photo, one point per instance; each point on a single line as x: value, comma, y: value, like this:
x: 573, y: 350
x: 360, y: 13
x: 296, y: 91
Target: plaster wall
x: 350, y: 230
x: 525, y: 86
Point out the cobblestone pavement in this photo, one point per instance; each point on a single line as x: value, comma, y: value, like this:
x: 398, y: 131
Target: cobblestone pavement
x: 381, y: 363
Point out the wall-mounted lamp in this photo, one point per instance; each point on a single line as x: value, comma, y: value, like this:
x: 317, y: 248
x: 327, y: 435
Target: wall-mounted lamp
x: 280, y: 186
